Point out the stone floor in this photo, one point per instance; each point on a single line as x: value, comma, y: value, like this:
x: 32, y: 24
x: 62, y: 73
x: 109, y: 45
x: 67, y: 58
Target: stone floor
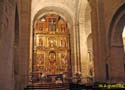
x: 67, y: 87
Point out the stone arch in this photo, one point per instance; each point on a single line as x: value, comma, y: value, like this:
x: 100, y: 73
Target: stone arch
x: 55, y: 10
x: 116, y: 50
x: 65, y: 15
x: 117, y: 20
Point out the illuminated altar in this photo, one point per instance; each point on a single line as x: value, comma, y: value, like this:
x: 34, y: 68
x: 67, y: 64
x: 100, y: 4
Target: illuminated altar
x: 51, y: 50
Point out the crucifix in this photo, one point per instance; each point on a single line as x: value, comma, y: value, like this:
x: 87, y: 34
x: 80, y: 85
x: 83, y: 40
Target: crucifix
x: 52, y: 25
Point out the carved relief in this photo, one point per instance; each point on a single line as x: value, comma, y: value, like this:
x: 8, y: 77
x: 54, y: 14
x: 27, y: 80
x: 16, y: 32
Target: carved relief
x: 40, y: 41
x: 52, y: 41
x: 63, y: 42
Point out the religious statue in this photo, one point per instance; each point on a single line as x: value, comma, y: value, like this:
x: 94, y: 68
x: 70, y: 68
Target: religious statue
x: 62, y: 28
x: 39, y: 25
x: 63, y: 43
x: 40, y: 41
x: 41, y: 59
x: 52, y: 61
x: 77, y: 77
x: 52, y: 57
x: 63, y: 59
x: 52, y: 25
x: 52, y: 42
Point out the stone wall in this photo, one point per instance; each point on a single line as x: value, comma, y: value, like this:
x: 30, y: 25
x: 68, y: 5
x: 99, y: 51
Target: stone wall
x: 7, y: 13
x: 114, y: 55
x: 102, y: 14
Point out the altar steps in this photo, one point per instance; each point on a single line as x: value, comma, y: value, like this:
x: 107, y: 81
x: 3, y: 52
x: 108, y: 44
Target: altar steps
x: 48, y: 87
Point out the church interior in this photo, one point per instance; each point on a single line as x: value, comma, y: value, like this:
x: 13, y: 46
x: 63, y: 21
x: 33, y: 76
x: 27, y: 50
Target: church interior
x: 47, y: 43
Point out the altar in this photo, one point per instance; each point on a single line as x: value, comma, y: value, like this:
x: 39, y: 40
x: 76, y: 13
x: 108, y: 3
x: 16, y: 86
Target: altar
x: 51, y: 50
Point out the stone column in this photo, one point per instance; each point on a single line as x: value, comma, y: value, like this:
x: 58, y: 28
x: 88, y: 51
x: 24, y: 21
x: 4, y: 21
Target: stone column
x: 98, y: 38
x: 24, y: 7
x: 7, y: 9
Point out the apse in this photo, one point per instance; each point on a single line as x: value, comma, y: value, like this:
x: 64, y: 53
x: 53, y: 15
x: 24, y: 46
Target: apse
x: 51, y: 45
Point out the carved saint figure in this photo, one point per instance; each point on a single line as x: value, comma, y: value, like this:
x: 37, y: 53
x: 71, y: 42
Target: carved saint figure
x: 40, y: 41
x: 62, y: 28
x: 52, y: 42
x: 52, y: 61
x: 52, y: 57
x: 63, y: 43
x: 40, y: 59
x: 52, y: 25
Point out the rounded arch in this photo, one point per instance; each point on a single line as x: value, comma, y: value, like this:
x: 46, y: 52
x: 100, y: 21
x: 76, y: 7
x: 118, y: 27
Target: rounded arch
x: 65, y: 13
x: 115, y: 45
x: 55, y: 10
x: 59, y: 9
x: 114, y: 30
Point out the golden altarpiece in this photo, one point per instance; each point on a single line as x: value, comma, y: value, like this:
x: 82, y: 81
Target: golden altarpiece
x: 51, y: 51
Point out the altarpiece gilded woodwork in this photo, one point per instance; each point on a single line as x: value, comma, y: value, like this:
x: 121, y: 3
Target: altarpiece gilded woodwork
x: 51, y: 54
